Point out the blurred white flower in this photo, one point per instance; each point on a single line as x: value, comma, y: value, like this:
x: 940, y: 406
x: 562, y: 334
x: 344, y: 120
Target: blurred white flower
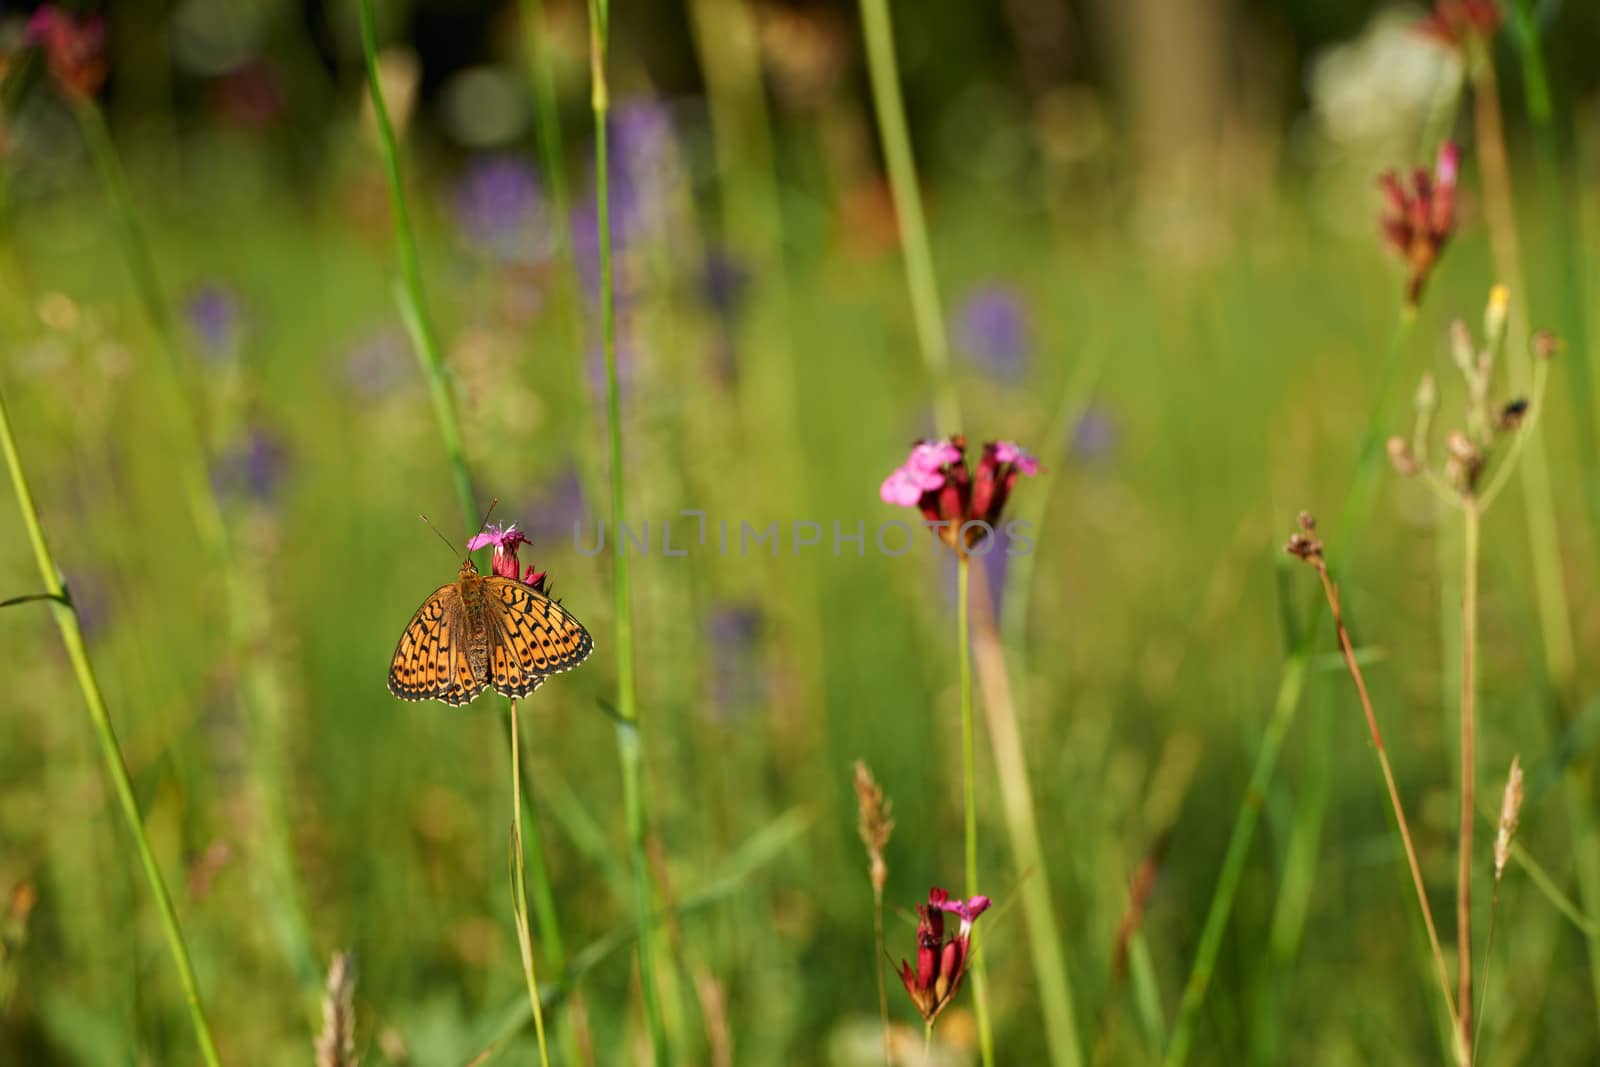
x: 1383, y: 84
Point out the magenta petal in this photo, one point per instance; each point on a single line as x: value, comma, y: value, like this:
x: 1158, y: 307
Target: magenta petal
x: 968, y: 910
x: 1013, y: 453
x: 901, y: 488
x: 929, y: 456
x: 1448, y: 166
x: 482, y: 540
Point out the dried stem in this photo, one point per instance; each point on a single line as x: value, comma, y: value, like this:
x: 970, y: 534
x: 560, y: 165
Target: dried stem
x: 875, y: 825
x: 1331, y: 589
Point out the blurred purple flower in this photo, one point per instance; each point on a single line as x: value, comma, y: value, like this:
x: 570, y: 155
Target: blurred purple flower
x: 641, y: 129
x: 214, y: 314
x: 555, y: 506
x: 627, y: 366
x: 1095, y: 435
x: 500, y: 207
x: 734, y: 633
x: 992, y: 330
x: 641, y: 140
x: 586, y: 250
x: 378, y: 363
x: 253, y: 468
x: 91, y: 602
x: 724, y: 284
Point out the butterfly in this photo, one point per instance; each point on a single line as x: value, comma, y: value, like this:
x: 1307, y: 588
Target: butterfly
x: 481, y: 631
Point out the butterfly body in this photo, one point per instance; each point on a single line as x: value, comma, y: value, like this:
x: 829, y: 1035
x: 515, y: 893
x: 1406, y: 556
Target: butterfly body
x: 479, y: 632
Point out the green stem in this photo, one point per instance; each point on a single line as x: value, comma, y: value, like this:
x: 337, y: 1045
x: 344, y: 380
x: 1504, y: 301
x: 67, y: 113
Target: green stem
x: 1537, y: 494
x: 1469, y: 747
x: 1357, y: 506
x: 969, y: 794
x: 412, y: 297
x: 920, y: 279
x: 520, y: 905
x: 77, y: 652
x: 552, y: 159
x: 1561, y: 207
x: 1022, y: 827
x: 883, y: 988
x: 630, y: 747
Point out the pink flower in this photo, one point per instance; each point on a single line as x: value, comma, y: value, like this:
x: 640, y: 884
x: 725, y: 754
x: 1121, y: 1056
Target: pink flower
x: 968, y: 910
x: 941, y: 964
x: 74, y: 49
x: 506, y: 540
x: 968, y: 505
x: 1419, y: 220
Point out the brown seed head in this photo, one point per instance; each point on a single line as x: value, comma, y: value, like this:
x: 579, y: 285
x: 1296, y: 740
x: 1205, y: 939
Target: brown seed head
x: 336, y: 1045
x: 1546, y: 344
x: 875, y: 823
x: 1510, y: 813
x: 1465, y: 462
x: 1400, y: 457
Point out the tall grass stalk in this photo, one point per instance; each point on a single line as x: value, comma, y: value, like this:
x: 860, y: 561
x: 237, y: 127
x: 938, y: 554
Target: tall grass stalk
x: 629, y: 742
x: 412, y: 300
x: 72, y: 637
x: 552, y: 161
x: 1357, y: 505
x: 1045, y: 939
x: 410, y: 293
x: 969, y: 786
x: 569, y: 284
x: 1470, y: 530
x: 519, y: 904
x: 932, y: 341
x: 1537, y: 494
x: 1564, y: 235
x: 1331, y: 591
x: 1538, y: 498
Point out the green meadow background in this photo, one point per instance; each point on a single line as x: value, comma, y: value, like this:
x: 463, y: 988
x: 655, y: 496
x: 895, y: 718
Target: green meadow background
x: 1154, y: 232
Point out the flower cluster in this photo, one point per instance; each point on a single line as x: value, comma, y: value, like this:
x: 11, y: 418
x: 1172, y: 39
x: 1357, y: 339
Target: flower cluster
x: 1419, y: 220
x: 74, y: 48
x: 965, y: 505
x: 506, y: 540
x: 1468, y: 450
x: 941, y: 964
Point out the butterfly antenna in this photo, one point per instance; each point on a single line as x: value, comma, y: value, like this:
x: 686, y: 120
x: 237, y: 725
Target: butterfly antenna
x: 441, y: 536
x: 485, y: 520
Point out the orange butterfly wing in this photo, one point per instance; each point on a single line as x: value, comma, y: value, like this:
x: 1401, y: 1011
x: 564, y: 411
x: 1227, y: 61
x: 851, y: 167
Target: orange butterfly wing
x: 430, y: 662
x: 530, y: 638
